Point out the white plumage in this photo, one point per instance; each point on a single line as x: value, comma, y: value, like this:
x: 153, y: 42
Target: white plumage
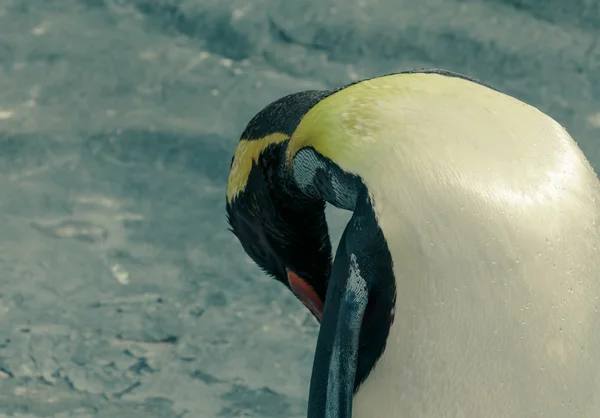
x: 491, y: 213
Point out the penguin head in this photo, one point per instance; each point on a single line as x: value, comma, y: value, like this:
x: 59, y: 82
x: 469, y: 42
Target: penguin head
x: 283, y: 230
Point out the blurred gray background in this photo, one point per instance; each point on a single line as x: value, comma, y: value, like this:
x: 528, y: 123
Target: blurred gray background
x: 122, y: 293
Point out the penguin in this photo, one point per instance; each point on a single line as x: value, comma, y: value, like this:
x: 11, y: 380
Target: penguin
x: 467, y: 280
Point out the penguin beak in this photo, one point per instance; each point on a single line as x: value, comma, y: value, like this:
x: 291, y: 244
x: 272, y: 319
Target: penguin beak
x: 306, y: 293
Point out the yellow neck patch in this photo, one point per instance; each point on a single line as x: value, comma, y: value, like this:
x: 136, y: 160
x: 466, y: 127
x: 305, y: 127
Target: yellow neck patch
x: 357, y: 126
x: 345, y: 126
x: 247, y: 153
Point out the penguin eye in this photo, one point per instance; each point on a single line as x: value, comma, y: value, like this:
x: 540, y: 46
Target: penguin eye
x: 269, y: 174
x: 253, y: 232
x: 267, y: 163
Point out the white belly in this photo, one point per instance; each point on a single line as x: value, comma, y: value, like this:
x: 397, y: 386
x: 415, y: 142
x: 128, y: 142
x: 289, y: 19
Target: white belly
x: 492, y: 216
x: 498, y: 286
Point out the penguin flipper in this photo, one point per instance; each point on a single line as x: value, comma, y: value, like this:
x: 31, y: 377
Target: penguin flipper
x: 361, y: 270
x: 334, y: 369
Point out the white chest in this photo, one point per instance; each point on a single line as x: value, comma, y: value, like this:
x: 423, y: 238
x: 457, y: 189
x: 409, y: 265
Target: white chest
x: 497, y: 311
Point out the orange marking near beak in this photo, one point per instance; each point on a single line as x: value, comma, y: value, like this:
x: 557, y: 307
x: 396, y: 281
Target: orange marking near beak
x: 306, y: 294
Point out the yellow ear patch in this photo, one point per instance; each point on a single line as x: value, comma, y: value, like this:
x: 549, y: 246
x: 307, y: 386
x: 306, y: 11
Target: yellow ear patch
x: 247, y: 153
